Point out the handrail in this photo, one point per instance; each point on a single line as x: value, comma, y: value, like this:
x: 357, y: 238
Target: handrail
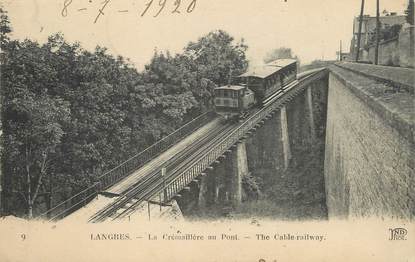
x: 155, y: 149
x: 79, y: 194
x: 119, y: 172
x: 175, y: 185
x: 196, y: 168
x: 201, y: 162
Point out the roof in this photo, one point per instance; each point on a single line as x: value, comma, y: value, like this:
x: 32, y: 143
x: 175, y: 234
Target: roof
x: 268, y: 69
x: 235, y: 88
x: 281, y: 62
x: 261, y: 71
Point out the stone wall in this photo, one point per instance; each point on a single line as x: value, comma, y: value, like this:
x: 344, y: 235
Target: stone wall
x: 265, y: 150
x: 388, y: 53
x: 406, y: 47
x: 369, y: 170
x: 299, y: 128
x: 395, y: 52
x: 276, y: 182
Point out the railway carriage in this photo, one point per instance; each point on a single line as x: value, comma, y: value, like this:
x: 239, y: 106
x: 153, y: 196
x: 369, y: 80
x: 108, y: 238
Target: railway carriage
x: 270, y: 78
x: 258, y: 85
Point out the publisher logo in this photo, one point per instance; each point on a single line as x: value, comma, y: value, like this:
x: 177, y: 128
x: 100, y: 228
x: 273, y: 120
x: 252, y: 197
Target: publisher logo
x: 397, y: 233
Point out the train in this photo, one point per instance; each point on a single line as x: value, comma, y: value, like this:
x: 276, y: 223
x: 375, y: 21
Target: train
x: 254, y: 88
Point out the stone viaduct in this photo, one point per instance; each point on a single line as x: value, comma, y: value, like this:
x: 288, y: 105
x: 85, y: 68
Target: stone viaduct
x: 358, y: 118
x: 364, y: 116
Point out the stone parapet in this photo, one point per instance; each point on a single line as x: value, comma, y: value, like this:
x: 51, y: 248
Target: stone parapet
x: 369, y: 166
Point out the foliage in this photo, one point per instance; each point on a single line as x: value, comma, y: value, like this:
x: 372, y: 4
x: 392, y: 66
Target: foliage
x: 386, y: 33
x: 204, y: 65
x: 280, y: 53
x: 70, y: 114
x: 252, y: 186
x: 215, y: 57
x: 5, y: 28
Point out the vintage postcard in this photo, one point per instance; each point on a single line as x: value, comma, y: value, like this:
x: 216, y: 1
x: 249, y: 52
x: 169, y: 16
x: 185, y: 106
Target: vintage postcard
x: 207, y: 130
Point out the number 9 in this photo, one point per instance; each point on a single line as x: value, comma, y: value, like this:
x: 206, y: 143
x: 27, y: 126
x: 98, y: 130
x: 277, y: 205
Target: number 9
x: 162, y: 4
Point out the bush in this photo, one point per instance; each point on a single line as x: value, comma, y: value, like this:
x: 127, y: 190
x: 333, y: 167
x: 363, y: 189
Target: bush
x: 385, y: 33
x: 252, y: 187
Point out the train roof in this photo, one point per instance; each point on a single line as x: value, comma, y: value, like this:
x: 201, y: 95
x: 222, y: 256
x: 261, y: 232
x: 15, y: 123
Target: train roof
x: 230, y: 87
x: 261, y: 71
x: 268, y: 69
x: 281, y: 62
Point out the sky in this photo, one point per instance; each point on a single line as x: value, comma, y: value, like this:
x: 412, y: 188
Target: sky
x: 313, y: 29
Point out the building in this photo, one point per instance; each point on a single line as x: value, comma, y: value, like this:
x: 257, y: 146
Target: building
x: 369, y: 28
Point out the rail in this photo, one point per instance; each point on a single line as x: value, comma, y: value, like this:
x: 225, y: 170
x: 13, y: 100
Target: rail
x: 124, y: 169
x: 121, y: 171
x: 182, y: 180
x: 174, y: 183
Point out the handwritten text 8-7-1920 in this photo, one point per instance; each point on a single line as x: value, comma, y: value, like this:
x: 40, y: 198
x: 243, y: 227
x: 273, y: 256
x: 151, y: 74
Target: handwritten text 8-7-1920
x: 154, y: 6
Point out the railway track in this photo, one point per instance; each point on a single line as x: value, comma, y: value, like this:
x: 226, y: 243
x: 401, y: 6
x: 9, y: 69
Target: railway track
x: 178, y: 169
x: 154, y: 183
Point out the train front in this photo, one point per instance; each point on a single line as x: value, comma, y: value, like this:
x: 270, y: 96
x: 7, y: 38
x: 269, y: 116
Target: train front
x: 228, y: 101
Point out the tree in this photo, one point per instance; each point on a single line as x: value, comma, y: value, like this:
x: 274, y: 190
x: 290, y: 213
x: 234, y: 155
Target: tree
x: 33, y: 120
x: 71, y: 114
x: 216, y: 55
x: 280, y: 53
x: 5, y: 29
x: 41, y: 134
x: 205, y: 64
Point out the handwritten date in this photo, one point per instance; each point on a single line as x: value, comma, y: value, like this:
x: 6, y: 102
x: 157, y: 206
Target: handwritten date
x: 154, y: 6
x: 66, y: 4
